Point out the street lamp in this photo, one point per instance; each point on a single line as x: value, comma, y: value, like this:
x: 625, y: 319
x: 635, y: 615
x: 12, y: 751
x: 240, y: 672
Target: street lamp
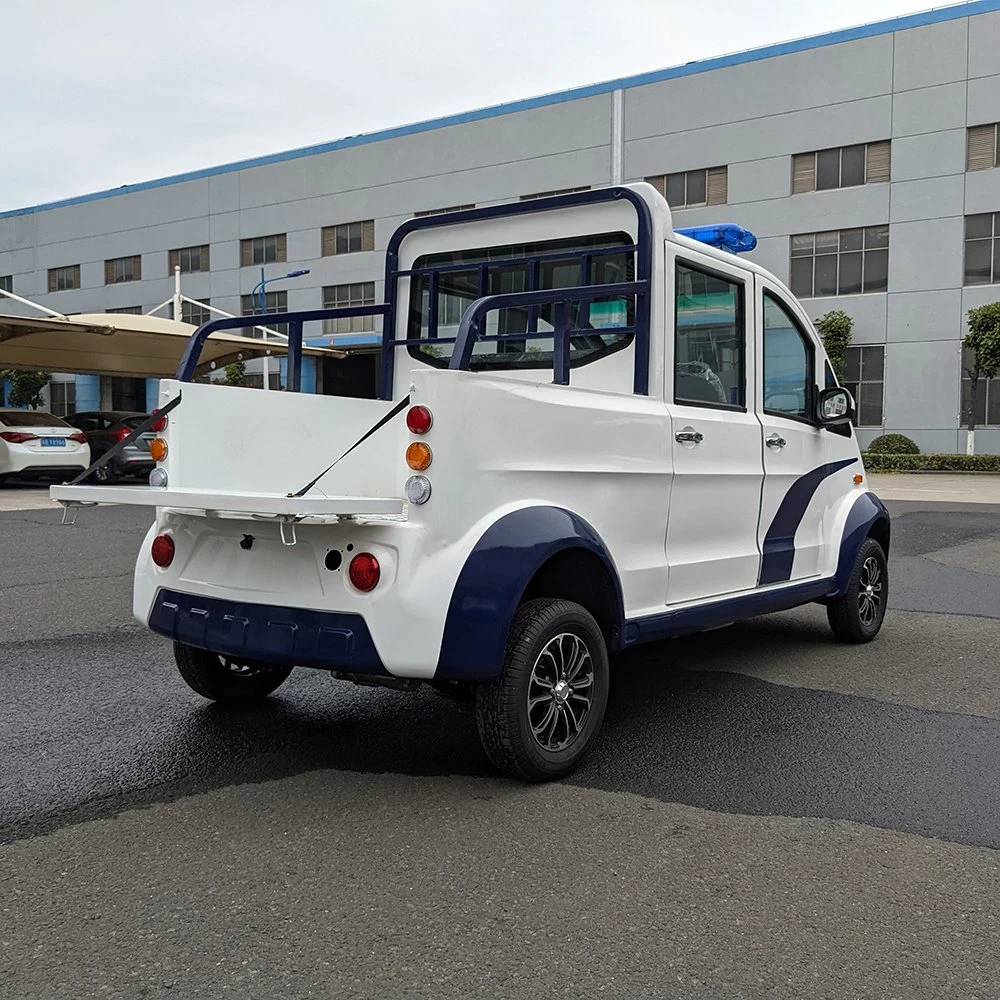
x: 262, y: 285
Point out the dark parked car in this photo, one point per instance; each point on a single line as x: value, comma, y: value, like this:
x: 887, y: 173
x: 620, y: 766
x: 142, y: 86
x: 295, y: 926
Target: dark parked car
x: 105, y: 428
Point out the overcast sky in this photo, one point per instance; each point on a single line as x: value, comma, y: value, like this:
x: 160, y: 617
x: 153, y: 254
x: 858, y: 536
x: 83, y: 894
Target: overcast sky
x: 96, y: 96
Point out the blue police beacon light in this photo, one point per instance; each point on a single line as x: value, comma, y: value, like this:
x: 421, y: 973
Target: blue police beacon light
x: 725, y: 236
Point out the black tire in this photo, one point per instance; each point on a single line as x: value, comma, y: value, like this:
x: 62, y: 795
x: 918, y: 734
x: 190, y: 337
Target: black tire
x: 106, y: 475
x: 858, y: 616
x: 225, y: 680
x: 507, y: 725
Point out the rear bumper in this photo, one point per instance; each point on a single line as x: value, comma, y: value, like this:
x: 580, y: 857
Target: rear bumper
x: 294, y: 636
x: 51, y: 462
x: 45, y: 471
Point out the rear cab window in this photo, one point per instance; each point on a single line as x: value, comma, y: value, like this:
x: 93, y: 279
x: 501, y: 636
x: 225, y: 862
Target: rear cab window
x: 459, y: 277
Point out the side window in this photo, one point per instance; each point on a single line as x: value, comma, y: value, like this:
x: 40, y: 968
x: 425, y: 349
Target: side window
x: 709, y: 339
x: 788, y: 364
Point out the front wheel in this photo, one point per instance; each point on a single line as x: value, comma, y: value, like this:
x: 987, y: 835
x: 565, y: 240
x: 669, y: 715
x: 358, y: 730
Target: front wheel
x: 857, y: 616
x: 227, y: 680
x: 539, y: 718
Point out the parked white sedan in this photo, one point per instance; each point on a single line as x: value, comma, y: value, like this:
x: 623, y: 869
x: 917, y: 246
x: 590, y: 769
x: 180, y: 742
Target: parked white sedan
x: 38, y: 445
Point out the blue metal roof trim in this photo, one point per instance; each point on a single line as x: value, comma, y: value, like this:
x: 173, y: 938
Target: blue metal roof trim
x: 902, y: 23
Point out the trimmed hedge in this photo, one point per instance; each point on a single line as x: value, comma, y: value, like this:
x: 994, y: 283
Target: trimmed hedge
x: 875, y: 462
x: 894, y: 444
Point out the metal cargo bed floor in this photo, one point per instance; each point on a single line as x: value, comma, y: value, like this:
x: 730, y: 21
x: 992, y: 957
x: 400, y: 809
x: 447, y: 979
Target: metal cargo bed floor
x: 219, y: 502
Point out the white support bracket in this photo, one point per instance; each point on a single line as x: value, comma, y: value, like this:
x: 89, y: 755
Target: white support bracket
x: 70, y: 508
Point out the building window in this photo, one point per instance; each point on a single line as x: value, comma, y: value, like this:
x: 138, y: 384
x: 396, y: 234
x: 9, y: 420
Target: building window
x: 337, y: 296
x: 195, y: 313
x: 694, y: 188
x: 275, y: 302
x: 864, y: 379
x: 348, y: 237
x: 264, y: 250
x: 122, y: 269
x: 982, y: 147
x: 6, y: 282
x: 62, y: 279
x: 552, y: 194
x: 844, y: 262
x: 982, y: 248
x: 442, y: 211
x: 189, y: 259
x: 987, y: 396
x: 843, y: 166
x: 62, y: 398
x: 130, y: 310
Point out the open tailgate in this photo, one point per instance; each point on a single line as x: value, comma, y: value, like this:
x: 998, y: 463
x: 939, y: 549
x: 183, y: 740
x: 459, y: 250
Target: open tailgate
x: 240, y: 452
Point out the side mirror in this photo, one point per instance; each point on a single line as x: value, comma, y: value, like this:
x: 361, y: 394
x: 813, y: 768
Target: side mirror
x: 835, y: 406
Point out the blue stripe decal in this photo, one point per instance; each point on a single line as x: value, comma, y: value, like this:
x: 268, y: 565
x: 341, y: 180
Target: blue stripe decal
x: 902, y: 23
x: 778, y: 549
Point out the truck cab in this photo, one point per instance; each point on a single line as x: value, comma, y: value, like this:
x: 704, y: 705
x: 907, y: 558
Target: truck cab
x: 594, y: 431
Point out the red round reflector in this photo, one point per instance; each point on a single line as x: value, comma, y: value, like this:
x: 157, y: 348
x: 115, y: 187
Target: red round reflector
x: 364, y: 571
x: 158, y: 425
x: 419, y: 419
x: 163, y: 550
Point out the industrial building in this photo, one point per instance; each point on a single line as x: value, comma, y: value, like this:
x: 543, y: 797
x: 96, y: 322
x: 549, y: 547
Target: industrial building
x: 866, y: 161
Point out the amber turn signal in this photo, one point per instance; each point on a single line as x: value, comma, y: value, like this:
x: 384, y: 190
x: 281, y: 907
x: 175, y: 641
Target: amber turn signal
x: 858, y: 480
x: 158, y: 449
x: 418, y: 456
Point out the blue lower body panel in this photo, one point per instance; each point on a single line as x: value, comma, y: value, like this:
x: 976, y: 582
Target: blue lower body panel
x: 268, y: 633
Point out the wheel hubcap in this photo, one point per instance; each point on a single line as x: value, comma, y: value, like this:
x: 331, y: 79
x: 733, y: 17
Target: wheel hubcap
x: 870, y: 592
x: 560, y: 691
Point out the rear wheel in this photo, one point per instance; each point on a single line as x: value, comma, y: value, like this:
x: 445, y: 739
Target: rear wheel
x: 858, y: 615
x: 225, y: 679
x: 106, y: 475
x: 539, y: 719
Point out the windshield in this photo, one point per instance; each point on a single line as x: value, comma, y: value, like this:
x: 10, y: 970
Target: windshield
x: 29, y: 418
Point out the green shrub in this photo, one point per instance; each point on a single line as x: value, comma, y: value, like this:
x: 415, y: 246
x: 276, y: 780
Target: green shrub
x: 893, y: 444
x: 876, y: 462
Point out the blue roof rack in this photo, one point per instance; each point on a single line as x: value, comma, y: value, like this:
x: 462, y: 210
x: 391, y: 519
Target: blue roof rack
x: 725, y: 236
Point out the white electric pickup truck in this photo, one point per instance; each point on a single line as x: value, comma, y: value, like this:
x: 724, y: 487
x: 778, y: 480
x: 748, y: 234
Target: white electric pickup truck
x: 593, y: 431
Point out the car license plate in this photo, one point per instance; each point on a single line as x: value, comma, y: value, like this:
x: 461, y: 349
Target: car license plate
x: 53, y: 442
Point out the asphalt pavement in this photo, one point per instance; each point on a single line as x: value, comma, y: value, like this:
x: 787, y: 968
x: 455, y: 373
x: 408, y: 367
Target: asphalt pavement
x: 768, y: 813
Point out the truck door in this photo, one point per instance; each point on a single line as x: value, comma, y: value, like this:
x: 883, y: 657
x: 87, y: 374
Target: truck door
x: 711, y: 538
x: 804, y: 464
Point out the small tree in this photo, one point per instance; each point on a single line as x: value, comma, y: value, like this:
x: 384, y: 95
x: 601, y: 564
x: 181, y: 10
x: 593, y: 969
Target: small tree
x: 236, y: 373
x: 25, y: 387
x: 836, y: 328
x: 983, y: 344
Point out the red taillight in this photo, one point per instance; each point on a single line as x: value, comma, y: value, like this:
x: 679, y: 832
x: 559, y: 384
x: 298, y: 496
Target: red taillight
x: 158, y: 425
x: 364, y: 571
x: 419, y: 419
x: 122, y: 433
x: 162, y: 550
x: 78, y: 437
x: 17, y: 437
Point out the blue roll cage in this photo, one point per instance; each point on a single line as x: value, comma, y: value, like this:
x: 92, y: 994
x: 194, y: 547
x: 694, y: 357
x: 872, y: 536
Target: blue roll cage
x: 471, y: 328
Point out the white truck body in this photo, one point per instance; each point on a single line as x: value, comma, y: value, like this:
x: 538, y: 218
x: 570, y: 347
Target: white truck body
x: 659, y: 512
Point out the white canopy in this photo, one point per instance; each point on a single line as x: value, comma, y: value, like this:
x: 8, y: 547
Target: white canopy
x: 123, y: 344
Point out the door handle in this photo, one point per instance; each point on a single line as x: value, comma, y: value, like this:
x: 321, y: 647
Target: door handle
x: 689, y: 436
x: 776, y: 441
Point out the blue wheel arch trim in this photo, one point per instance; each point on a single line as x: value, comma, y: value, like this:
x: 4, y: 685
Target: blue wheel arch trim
x: 778, y: 548
x: 495, y: 577
x: 868, y: 510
